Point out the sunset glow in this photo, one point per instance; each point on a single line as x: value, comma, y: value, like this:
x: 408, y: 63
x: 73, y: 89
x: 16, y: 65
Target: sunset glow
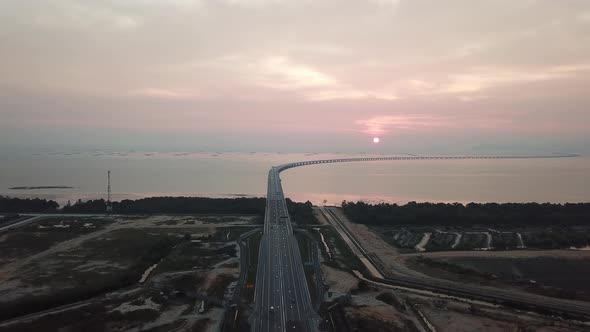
x: 376, y: 140
x: 186, y: 78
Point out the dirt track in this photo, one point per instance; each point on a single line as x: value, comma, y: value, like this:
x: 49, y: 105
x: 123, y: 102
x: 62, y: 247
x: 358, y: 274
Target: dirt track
x: 373, y: 243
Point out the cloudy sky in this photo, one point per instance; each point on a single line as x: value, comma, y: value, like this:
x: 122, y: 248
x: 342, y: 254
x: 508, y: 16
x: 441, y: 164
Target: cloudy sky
x: 302, y: 75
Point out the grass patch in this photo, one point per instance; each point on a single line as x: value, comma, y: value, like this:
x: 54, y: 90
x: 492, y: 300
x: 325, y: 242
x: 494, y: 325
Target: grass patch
x: 113, y: 261
x: 249, y: 284
x: 188, y: 255
x: 343, y: 258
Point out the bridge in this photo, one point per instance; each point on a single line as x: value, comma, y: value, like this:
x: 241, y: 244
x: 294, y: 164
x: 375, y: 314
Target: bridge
x: 346, y: 160
x: 282, y: 301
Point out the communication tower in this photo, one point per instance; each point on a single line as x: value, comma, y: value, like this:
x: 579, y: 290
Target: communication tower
x: 109, y: 204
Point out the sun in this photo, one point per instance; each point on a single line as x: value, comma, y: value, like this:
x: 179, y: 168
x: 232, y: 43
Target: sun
x: 376, y: 140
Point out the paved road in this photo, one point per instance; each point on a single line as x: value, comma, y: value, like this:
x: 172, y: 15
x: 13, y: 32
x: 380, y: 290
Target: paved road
x: 282, y: 300
x: 19, y: 222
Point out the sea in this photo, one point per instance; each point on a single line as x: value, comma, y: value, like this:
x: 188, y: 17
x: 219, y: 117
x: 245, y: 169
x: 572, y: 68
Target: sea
x: 82, y: 174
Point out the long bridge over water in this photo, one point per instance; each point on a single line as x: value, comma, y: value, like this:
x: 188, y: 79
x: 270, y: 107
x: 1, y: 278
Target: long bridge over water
x: 282, y: 299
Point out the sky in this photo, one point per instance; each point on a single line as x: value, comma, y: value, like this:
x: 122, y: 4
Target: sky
x: 424, y: 76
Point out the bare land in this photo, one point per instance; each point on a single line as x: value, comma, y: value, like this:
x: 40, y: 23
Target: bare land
x: 120, y: 274
x: 353, y: 304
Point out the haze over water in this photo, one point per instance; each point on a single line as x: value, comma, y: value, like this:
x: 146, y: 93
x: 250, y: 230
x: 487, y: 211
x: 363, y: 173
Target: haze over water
x: 140, y: 174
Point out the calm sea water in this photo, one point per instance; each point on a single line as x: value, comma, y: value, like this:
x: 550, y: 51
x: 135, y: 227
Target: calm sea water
x: 140, y: 174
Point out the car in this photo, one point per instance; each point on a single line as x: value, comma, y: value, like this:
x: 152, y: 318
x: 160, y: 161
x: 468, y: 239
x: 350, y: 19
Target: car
x: 292, y: 300
x: 272, y: 309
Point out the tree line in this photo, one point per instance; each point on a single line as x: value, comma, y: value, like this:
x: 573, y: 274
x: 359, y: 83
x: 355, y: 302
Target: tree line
x: 457, y: 214
x: 16, y: 205
x: 153, y: 205
x: 301, y: 212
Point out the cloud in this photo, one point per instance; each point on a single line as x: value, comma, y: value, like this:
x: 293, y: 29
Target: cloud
x: 163, y: 93
x: 281, y: 73
x: 83, y: 15
x: 385, y: 124
x: 400, y: 66
x: 482, y: 78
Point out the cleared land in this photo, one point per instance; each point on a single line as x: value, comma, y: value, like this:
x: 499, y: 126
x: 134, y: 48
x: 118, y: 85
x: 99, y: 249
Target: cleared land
x: 354, y: 305
x: 120, y: 274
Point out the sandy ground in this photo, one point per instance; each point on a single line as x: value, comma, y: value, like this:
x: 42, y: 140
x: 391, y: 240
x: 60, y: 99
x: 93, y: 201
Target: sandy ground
x: 9, y: 269
x: 451, y: 321
x: 457, y: 317
x: 421, y: 246
x: 340, y: 282
x: 384, y: 313
x: 395, y: 261
x: 373, y: 243
x: 11, y: 288
x: 129, y: 306
x: 203, y: 223
x: 319, y: 216
x: 575, y: 254
x: 169, y: 313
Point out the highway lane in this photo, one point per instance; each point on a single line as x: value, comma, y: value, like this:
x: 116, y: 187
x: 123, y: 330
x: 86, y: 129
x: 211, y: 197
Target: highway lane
x: 282, y: 300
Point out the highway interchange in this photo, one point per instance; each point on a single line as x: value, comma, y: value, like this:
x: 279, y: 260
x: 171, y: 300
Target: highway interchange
x: 282, y: 299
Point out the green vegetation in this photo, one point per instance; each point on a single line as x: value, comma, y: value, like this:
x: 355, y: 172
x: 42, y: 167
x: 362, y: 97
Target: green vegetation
x: 550, y: 276
x: 450, y: 267
x: 301, y: 213
x: 150, y: 205
x: 129, y: 253
x: 188, y: 255
x: 15, y: 205
x: 440, y: 241
x: 253, y: 248
x: 389, y: 298
x: 44, y: 234
x: 303, y: 242
x: 455, y: 214
x: 504, y: 241
x: 556, y: 238
x: 342, y: 258
x: 17, y: 245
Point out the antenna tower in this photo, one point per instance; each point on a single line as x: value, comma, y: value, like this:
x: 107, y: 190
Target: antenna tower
x: 109, y: 205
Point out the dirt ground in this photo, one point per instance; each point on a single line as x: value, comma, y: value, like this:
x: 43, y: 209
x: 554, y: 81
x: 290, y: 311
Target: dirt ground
x: 373, y: 243
x: 319, y: 217
x: 573, y: 254
x: 375, y: 318
x: 100, y: 252
x: 364, y: 308
x: 340, y: 282
x: 452, y: 321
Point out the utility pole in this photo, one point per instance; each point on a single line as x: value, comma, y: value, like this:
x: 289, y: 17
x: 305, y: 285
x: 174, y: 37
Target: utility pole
x: 109, y: 204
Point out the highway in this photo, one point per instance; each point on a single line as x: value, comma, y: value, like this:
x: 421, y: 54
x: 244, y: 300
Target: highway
x: 282, y: 301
